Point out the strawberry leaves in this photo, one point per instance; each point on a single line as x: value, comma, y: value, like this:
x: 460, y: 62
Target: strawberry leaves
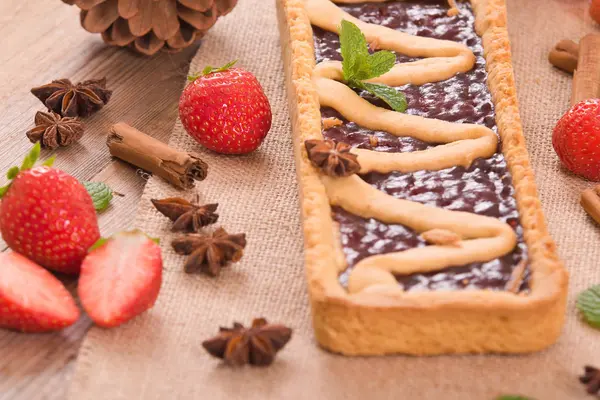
x: 588, y: 303
x: 513, y: 398
x: 101, y: 194
x: 358, y: 66
x: 31, y: 158
x: 50, y: 161
x: 99, y: 243
x: 209, y: 70
x: 12, y: 173
x: 28, y: 162
x: 103, y: 240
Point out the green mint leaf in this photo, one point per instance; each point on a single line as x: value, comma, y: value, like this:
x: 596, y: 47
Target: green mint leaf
x: 513, y: 398
x: 358, y: 65
x: 393, y: 98
x: 588, y: 303
x: 101, y: 194
x: 99, y: 243
x: 361, y: 73
x: 12, y: 173
x: 381, y: 62
x: 49, y: 162
x: 210, y: 70
x: 155, y: 240
x: 355, y: 52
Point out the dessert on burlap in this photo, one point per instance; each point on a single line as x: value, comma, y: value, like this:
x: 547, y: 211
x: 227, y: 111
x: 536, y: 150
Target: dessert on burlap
x: 159, y: 355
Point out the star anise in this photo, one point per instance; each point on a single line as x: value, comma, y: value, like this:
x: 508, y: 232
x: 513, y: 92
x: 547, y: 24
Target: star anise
x: 334, y: 159
x: 256, y: 345
x: 187, y: 217
x: 591, y: 379
x: 209, y: 253
x: 68, y: 100
x: 52, y: 130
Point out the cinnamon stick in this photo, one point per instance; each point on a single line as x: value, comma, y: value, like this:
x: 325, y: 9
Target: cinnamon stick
x: 565, y: 55
x: 586, y: 79
x: 179, y: 168
x: 590, y: 201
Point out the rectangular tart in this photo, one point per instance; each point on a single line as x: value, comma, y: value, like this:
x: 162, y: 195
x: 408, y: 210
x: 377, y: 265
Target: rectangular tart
x: 438, y: 243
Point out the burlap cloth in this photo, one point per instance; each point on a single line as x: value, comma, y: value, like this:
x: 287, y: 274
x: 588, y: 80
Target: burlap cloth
x: 159, y: 356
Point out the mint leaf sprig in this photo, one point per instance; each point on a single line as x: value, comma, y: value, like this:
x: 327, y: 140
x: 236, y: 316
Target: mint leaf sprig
x: 358, y: 66
x: 100, y: 193
x: 588, y: 303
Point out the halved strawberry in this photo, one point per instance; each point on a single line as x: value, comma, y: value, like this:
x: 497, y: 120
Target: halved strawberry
x: 120, y: 278
x: 31, y: 298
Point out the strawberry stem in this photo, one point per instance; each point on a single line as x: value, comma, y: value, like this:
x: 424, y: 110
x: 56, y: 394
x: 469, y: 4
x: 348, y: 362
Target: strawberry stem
x: 12, y: 173
x: 210, y: 70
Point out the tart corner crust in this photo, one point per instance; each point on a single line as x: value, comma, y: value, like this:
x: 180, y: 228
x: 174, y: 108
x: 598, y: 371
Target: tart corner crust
x: 423, y: 323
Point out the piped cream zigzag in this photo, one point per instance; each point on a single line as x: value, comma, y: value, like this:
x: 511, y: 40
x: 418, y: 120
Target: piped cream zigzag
x: 466, y: 142
x: 483, y: 238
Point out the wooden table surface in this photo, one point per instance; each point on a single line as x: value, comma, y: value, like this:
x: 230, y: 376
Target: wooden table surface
x: 41, y: 40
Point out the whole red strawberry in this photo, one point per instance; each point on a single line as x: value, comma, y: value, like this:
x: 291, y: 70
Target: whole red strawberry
x: 120, y: 278
x: 576, y: 139
x: 31, y: 298
x: 47, y: 216
x: 226, y: 110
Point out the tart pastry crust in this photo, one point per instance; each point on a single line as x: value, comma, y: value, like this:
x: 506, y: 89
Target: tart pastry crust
x: 374, y: 316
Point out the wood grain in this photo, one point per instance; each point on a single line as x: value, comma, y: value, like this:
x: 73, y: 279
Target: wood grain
x: 41, y: 41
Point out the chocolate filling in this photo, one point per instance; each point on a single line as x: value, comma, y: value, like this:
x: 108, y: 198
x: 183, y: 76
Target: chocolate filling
x: 484, y: 188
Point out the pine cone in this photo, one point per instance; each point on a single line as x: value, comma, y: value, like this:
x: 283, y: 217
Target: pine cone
x: 151, y: 25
